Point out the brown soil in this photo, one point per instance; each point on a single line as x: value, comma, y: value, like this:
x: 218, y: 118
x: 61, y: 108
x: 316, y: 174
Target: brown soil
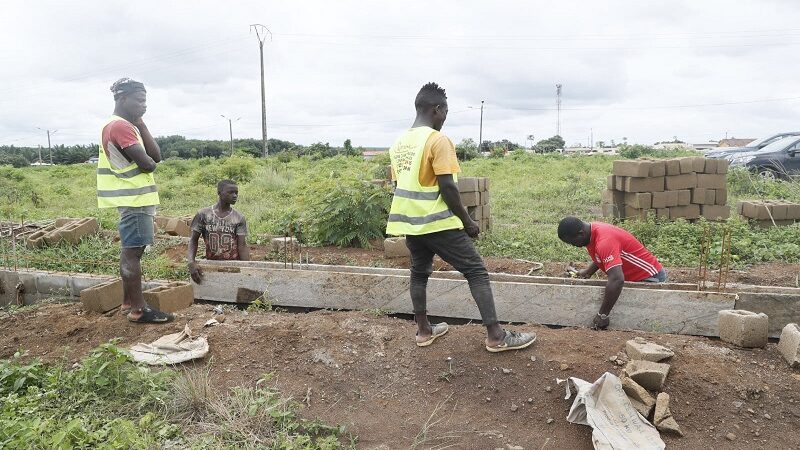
x: 769, y: 274
x: 365, y: 372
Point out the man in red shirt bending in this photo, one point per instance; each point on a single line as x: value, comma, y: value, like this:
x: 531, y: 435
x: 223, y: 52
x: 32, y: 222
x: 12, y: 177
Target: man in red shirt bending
x: 614, y: 251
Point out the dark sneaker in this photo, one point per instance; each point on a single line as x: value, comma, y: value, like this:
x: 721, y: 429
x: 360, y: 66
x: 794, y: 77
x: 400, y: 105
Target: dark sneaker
x: 513, y: 341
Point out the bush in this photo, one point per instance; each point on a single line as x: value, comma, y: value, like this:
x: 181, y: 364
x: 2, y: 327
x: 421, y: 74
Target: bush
x: 467, y: 149
x: 351, y: 214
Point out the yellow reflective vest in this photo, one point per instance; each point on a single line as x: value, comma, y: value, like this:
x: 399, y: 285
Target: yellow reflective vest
x: 416, y: 209
x: 127, y: 186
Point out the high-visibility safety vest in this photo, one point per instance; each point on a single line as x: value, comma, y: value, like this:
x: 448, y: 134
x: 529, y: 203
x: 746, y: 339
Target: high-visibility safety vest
x: 416, y: 209
x: 128, y: 186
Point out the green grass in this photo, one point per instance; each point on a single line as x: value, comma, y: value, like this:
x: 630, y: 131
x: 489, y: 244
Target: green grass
x: 530, y: 194
x: 106, y: 401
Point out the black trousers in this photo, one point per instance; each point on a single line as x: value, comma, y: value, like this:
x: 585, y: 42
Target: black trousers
x: 457, y: 249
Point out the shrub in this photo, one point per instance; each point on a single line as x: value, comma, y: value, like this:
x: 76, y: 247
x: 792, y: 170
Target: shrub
x: 351, y: 214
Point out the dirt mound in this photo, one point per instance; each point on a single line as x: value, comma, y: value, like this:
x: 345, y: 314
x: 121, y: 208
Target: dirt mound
x: 366, y: 373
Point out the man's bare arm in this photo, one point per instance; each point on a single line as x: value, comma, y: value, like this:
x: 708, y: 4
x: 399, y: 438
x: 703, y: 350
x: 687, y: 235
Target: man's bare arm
x: 138, y: 155
x: 589, y: 271
x: 194, y: 269
x: 451, y: 196
x: 616, y: 279
x: 151, y: 147
x: 244, y: 250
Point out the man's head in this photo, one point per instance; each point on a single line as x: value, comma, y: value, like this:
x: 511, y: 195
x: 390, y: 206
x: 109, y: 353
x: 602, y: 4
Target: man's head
x: 574, y: 231
x: 431, y: 103
x: 130, y: 98
x: 228, y: 192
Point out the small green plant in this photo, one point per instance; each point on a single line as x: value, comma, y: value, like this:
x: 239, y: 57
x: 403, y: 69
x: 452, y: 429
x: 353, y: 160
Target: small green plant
x: 351, y: 214
x: 261, y: 304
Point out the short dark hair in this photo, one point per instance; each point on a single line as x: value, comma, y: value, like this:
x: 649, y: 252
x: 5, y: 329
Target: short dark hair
x: 221, y: 185
x: 429, y: 96
x: 569, y: 227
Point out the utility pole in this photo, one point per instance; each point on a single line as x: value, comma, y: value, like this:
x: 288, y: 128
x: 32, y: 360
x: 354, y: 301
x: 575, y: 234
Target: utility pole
x: 40, y: 154
x: 558, y: 110
x: 49, y: 148
x: 230, y: 128
x: 261, y: 34
x: 480, y: 132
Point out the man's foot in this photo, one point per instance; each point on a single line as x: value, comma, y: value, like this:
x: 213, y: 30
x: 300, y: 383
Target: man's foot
x: 512, y: 341
x: 440, y: 329
x: 124, y: 310
x: 149, y: 315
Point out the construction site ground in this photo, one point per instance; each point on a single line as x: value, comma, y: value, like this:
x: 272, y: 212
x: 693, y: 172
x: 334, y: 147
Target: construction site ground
x: 363, y: 370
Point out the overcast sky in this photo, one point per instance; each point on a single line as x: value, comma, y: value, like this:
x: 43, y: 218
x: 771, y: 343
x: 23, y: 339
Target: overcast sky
x: 644, y: 70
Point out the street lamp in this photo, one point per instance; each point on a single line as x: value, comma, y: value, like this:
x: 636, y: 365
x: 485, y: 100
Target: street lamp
x: 480, y: 131
x: 230, y: 128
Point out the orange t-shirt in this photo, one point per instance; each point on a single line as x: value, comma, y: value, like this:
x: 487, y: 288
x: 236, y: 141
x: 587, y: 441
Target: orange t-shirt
x: 438, y: 158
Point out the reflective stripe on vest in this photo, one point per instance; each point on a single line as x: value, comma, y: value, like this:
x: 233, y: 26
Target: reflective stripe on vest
x: 416, y: 209
x: 125, y: 187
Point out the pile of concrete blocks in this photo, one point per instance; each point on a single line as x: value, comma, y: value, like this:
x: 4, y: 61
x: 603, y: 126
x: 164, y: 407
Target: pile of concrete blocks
x: 395, y: 247
x: 645, y: 374
x: 69, y: 230
x: 764, y: 212
x: 175, y: 226
x: 103, y: 297
x: 743, y: 328
x: 284, y: 244
x: 670, y: 189
x: 789, y: 344
x: 475, y: 197
x: 170, y: 297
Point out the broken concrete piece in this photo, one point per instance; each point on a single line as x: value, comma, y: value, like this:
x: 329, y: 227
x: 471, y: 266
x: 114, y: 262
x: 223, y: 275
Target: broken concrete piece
x: 650, y: 375
x: 789, y: 345
x: 641, y: 349
x: 662, y: 418
x: 395, y: 247
x: 641, y: 400
x: 743, y: 328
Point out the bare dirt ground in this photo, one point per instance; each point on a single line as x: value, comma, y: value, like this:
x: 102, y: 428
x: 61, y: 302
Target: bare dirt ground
x: 365, y: 372
x: 770, y: 274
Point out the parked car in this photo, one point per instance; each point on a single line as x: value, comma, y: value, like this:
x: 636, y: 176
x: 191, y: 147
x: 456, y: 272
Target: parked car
x: 92, y: 160
x: 780, y: 159
x: 758, y: 144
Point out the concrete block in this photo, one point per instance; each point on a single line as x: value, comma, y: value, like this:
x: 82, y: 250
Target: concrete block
x: 699, y: 196
x: 610, y: 210
x: 722, y: 166
x: 281, y: 244
x: 74, y: 231
x: 684, y: 197
x: 672, y: 198
x: 779, y: 210
x: 629, y: 212
x: 395, y: 247
x: 486, y: 197
x: 468, y: 184
x: 712, y: 181
x: 662, y: 213
x: 710, y: 166
x: 650, y: 375
x: 53, y: 283
x: 177, y: 227
x: 36, y: 239
x: 103, y: 297
x: 715, y: 212
x: 793, y: 213
x: 662, y: 417
x: 53, y: 237
x: 659, y: 200
x: 476, y: 212
x: 769, y: 224
x: 171, y: 297
x: 721, y: 197
x: 711, y: 197
x: 678, y: 182
x: 486, y: 183
x: 754, y: 209
x: 611, y: 182
x: 673, y: 166
x: 61, y: 221
x: 631, y: 168
x: 691, y: 211
x: 686, y: 164
x: 789, y: 344
x: 642, y: 184
x: 657, y: 169
x: 698, y: 164
x: 471, y: 198
x: 641, y: 349
x: 487, y: 211
x: 641, y: 400
x: 639, y: 200
x: 743, y: 328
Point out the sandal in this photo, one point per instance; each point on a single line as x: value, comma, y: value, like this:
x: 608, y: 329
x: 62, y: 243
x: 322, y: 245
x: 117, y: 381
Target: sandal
x: 513, y: 341
x: 440, y: 329
x: 150, y: 315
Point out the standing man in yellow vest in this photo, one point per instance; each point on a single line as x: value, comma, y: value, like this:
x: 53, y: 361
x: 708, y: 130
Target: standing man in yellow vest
x: 427, y: 209
x: 127, y: 159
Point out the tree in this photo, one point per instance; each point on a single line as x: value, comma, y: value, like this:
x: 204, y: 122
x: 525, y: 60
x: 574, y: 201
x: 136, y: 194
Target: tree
x: 348, y: 150
x: 549, y: 145
x: 466, y: 150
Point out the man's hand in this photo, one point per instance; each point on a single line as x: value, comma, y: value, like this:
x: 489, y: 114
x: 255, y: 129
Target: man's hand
x: 583, y: 274
x: 472, y: 229
x: 600, y: 322
x: 196, y: 272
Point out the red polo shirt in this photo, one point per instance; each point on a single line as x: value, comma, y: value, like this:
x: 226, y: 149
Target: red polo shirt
x: 612, y: 246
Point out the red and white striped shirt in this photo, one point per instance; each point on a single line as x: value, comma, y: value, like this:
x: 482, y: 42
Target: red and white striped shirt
x: 612, y: 246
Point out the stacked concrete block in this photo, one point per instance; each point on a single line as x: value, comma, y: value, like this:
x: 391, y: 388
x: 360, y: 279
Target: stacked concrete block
x: 36, y: 240
x: 764, y: 212
x: 171, y: 297
x: 103, y: 297
x: 395, y: 247
x: 789, y: 344
x: 687, y: 188
x: 283, y: 244
x: 743, y: 328
x: 476, y: 198
x: 178, y: 226
x: 70, y: 230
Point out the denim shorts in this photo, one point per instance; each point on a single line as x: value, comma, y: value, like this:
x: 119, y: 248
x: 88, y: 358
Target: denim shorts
x: 136, y: 230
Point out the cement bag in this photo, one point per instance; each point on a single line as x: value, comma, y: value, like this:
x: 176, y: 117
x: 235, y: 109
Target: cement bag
x: 171, y: 349
x: 616, y: 425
